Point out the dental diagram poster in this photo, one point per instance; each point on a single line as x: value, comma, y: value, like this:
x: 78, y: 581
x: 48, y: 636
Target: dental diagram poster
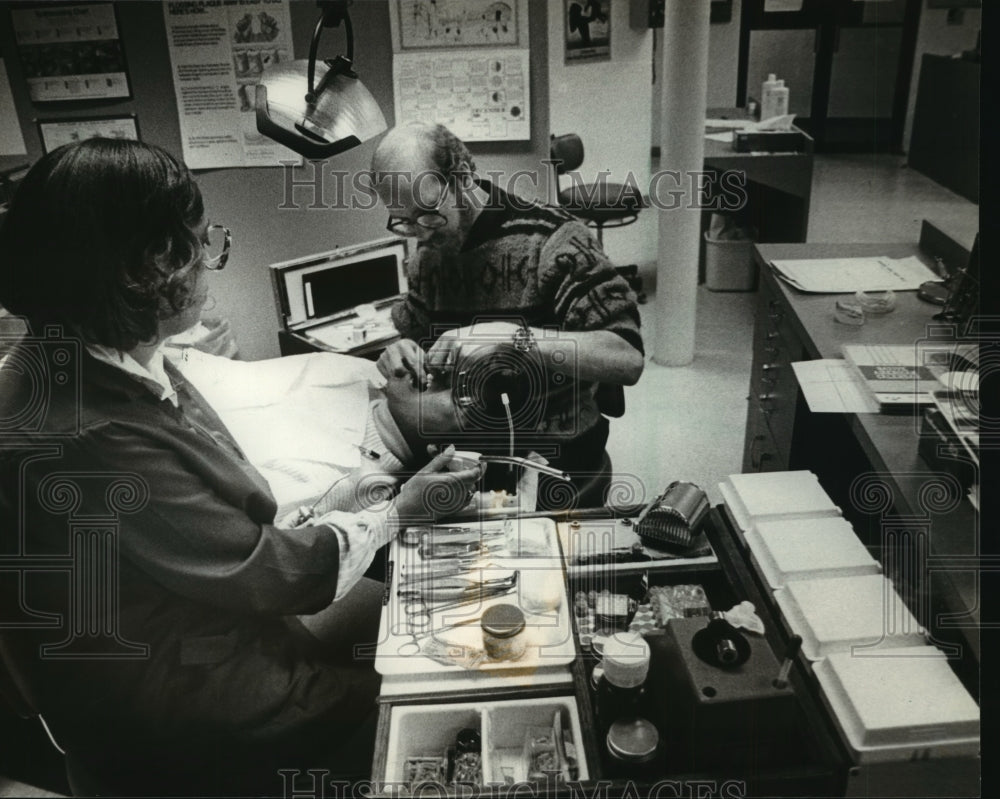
x: 465, y: 64
x: 218, y: 50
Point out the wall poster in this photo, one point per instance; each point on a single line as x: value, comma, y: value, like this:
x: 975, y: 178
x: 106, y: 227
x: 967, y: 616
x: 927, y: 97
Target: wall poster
x: 57, y: 132
x: 464, y: 64
x: 419, y: 25
x: 11, y: 140
x: 480, y: 95
x: 588, y: 30
x: 218, y: 50
x: 71, y: 52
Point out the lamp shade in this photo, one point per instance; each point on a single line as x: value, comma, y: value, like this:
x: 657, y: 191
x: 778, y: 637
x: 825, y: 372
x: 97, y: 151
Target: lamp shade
x: 344, y: 114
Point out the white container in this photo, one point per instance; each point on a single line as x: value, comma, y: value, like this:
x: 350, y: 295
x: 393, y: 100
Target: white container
x: 428, y: 730
x: 844, y: 614
x: 906, y: 704
x: 774, y: 98
x: 729, y: 265
x: 802, y: 549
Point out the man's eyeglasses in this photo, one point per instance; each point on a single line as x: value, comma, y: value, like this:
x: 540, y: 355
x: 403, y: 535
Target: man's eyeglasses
x: 216, y: 246
x: 430, y: 220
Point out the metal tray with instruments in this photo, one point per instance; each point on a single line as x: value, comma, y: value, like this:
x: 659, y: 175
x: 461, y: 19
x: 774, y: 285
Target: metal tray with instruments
x: 444, y: 577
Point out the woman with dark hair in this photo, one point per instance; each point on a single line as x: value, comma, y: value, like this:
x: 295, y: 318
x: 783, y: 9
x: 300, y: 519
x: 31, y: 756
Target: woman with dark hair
x: 172, y: 668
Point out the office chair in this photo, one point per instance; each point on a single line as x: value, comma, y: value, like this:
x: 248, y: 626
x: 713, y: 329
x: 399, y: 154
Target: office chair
x: 601, y: 205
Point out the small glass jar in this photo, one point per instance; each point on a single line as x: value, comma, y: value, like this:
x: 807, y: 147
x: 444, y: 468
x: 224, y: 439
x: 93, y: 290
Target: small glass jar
x: 503, y: 632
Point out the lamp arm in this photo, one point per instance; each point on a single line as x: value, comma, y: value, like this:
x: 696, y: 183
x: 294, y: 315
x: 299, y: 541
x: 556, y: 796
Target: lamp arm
x: 313, y: 48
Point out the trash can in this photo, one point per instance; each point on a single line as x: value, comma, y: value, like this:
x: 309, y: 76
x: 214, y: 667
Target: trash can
x: 729, y: 264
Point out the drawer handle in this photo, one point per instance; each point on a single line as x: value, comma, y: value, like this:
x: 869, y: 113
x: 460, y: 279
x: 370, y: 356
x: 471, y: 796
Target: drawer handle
x: 771, y: 367
x: 772, y: 335
x: 757, y: 460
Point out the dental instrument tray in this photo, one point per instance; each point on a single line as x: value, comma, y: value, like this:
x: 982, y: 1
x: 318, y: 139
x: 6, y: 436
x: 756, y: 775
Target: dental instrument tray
x: 444, y: 579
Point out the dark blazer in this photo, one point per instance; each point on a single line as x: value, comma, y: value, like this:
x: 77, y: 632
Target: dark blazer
x: 158, y: 627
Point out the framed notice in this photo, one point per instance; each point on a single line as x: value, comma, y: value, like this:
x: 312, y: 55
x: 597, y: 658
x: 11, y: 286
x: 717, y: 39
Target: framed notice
x: 588, y: 30
x: 57, y: 132
x: 71, y: 52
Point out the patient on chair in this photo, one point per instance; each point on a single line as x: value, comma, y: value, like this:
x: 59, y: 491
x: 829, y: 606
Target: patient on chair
x: 305, y: 421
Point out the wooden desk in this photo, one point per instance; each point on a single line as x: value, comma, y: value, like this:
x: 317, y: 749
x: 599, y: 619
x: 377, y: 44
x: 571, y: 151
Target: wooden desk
x: 926, y: 536
x: 779, y: 185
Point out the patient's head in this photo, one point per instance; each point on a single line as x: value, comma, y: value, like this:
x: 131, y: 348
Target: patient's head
x: 423, y: 417
x: 489, y: 394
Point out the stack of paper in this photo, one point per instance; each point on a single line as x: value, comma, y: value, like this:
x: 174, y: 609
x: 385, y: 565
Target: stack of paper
x: 847, y: 275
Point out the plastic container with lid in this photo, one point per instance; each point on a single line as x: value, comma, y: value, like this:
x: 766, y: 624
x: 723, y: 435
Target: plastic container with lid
x: 503, y: 632
x: 621, y: 689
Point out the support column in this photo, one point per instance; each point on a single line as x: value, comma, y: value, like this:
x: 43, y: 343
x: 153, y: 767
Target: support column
x: 684, y: 70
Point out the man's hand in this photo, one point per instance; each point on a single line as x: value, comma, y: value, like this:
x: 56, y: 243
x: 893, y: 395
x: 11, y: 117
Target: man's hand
x: 434, y: 492
x: 404, y: 358
x: 445, y: 352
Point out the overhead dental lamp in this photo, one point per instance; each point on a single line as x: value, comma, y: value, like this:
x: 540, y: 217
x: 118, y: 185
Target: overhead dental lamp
x: 318, y: 109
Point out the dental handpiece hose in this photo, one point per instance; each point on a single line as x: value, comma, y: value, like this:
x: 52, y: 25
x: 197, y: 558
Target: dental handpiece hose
x: 306, y: 512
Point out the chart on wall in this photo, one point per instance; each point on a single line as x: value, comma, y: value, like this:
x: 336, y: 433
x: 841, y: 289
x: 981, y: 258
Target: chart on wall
x: 480, y: 95
x: 464, y: 64
x: 426, y: 24
x: 71, y: 52
x: 218, y: 51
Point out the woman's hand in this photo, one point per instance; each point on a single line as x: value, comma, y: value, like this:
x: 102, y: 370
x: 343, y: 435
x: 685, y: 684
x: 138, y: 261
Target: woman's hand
x: 434, y: 492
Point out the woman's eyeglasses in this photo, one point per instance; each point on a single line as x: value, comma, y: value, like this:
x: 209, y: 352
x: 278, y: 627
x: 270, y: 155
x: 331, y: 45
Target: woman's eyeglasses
x: 216, y: 246
x: 430, y: 220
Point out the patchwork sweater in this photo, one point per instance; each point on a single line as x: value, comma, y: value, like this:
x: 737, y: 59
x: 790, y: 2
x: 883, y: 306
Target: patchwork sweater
x: 531, y: 262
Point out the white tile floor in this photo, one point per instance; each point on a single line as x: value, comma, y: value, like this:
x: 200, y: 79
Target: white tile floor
x: 688, y: 422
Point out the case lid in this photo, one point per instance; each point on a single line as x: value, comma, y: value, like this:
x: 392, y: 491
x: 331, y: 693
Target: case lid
x: 796, y: 549
x: 330, y: 285
x: 836, y: 614
x: 892, y: 704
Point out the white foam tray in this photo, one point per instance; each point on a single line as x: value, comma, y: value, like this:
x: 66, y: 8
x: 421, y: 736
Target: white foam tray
x: 801, y: 549
x: 775, y: 495
x: 837, y: 614
x: 899, y: 705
